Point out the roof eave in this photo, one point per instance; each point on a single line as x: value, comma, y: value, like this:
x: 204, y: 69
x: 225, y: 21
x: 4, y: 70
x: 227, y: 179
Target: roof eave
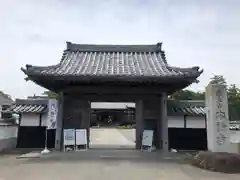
x: 31, y: 75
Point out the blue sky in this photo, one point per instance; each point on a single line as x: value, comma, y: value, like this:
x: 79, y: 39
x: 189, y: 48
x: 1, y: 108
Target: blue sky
x: 194, y: 32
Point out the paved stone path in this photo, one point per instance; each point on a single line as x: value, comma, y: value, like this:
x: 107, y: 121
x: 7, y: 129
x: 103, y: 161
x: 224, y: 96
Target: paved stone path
x: 111, y: 138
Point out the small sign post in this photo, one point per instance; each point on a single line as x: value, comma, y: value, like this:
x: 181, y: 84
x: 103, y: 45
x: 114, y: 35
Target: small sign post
x: 69, y: 139
x: 81, y: 138
x: 147, y: 140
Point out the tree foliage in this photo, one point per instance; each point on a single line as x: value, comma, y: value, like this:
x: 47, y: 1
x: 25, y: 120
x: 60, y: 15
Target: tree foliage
x: 232, y: 90
x: 50, y: 94
x: 187, y: 95
x: 5, y: 95
x: 218, y: 79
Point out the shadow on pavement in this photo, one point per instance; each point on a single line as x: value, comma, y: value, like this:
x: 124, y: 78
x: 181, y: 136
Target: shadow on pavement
x: 18, y: 151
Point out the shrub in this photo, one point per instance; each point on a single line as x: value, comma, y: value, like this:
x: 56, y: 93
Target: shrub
x: 219, y: 162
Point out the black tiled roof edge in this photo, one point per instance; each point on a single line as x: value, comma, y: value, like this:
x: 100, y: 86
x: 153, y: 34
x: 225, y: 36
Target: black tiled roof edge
x: 29, y: 106
x: 113, y: 48
x: 32, y: 101
x: 186, y: 107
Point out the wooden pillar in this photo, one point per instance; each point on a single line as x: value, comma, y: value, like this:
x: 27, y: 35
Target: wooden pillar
x: 205, y: 120
x: 185, y: 121
x: 159, y: 123
x: 139, y: 123
x: 59, y: 129
x: 40, y: 119
x: 86, y: 111
x: 164, y: 122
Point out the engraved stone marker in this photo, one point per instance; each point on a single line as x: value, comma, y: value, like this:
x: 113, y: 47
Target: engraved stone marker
x: 217, y: 118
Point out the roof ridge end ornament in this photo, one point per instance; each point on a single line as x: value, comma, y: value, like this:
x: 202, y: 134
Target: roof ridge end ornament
x: 69, y: 45
x: 28, y: 66
x: 159, y: 46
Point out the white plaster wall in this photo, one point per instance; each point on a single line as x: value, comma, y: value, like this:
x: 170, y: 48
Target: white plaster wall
x: 7, y: 132
x: 175, y: 121
x: 44, y: 119
x: 8, y: 137
x: 195, y: 122
x: 30, y: 119
x: 234, y: 142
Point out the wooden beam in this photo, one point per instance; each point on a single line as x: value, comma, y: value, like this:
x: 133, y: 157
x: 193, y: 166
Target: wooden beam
x: 116, y: 89
x: 110, y: 97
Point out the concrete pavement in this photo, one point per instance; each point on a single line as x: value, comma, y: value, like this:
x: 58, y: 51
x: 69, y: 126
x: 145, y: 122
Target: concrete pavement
x: 105, y: 164
x: 104, y: 169
x: 112, y: 138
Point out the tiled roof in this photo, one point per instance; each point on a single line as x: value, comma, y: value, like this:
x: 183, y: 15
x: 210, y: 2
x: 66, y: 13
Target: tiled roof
x: 5, y: 99
x: 186, y: 107
x: 193, y: 111
x: 29, y: 106
x: 234, y: 126
x: 114, y: 62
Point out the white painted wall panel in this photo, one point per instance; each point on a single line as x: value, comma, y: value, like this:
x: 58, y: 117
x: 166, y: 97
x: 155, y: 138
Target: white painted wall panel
x: 30, y: 119
x: 44, y: 119
x: 7, y: 132
x: 175, y: 121
x: 195, y: 122
x: 235, y: 136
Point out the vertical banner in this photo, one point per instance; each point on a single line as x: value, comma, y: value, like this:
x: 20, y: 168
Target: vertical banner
x: 52, y: 114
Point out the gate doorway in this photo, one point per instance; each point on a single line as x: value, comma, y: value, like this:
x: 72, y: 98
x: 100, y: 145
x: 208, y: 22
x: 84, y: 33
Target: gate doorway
x: 112, y: 126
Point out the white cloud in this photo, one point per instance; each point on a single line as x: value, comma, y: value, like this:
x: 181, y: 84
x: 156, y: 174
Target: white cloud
x: 34, y: 32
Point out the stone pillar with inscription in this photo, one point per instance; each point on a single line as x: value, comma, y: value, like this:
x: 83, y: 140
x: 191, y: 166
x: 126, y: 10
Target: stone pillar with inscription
x: 217, y: 118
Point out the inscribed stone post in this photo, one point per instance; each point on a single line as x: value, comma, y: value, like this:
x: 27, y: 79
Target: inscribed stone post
x: 217, y: 118
x: 0, y: 111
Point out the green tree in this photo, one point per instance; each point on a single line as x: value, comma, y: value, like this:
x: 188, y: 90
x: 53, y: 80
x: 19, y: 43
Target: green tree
x: 234, y: 102
x: 218, y: 79
x: 232, y: 90
x: 233, y: 93
x: 50, y: 94
x: 187, y: 95
x: 5, y: 95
